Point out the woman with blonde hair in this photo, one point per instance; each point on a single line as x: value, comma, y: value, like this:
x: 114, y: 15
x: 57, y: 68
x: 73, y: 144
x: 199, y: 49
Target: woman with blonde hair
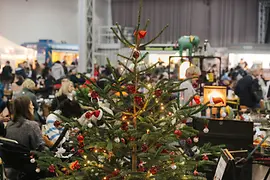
x: 28, y: 90
x: 65, y: 92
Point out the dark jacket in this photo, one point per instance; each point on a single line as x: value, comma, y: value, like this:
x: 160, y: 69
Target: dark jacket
x: 249, y: 91
x: 7, y: 73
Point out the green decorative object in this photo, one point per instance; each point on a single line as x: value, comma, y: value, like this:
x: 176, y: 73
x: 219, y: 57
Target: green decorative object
x: 188, y: 42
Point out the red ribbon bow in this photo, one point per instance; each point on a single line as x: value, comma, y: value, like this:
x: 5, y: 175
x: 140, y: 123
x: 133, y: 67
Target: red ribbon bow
x: 141, y: 34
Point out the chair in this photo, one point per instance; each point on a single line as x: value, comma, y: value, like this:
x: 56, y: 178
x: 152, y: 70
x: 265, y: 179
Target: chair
x: 16, y: 159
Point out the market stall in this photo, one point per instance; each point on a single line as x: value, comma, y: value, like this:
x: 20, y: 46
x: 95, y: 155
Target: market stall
x: 10, y: 51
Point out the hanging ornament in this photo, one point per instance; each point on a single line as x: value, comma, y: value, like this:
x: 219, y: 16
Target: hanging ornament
x: 123, y: 140
x: 94, y: 95
x: 189, y: 141
x: 197, y: 99
x: 90, y: 125
x: 144, y: 147
x: 196, y: 173
x: 74, y: 165
x: 51, y: 168
x: 196, y: 139
x: 80, y: 138
x: 131, y: 88
x: 206, y: 130
x: 173, y: 166
x: 81, y: 144
x: 96, y: 115
x: 205, y: 157
x: 153, y: 170
x: 158, y: 93
x: 117, y: 140
x: 178, y: 133
x: 57, y: 123
x: 136, y: 54
x: 33, y: 160
x: 80, y: 151
x: 37, y: 170
x: 138, y: 100
x: 115, y: 172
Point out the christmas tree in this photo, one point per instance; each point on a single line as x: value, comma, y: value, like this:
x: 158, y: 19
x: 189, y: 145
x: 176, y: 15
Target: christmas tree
x: 136, y: 130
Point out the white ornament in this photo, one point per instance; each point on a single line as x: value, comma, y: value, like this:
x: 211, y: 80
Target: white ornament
x: 195, y: 139
x: 223, y: 114
x: 37, y: 170
x: 206, y: 130
x: 173, y: 166
x: 117, y: 140
x: 173, y: 121
x: 90, y: 125
x: 32, y: 160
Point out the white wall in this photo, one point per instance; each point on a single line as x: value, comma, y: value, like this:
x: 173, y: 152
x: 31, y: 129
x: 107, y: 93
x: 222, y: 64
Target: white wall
x: 24, y: 21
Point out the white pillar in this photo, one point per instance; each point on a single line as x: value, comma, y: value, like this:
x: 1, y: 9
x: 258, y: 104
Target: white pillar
x: 82, y: 19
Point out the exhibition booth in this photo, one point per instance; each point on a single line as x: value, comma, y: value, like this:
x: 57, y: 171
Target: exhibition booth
x: 16, y: 54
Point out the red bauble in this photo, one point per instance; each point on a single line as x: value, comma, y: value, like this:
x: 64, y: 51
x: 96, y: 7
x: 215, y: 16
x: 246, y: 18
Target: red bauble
x: 88, y: 115
x: 80, y: 151
x: 144, y: 147
x: 165, y: 151
x: 51, y: 168
x: 178, y: 133
x: 196, y: 173
x: 154, y: 170
x: 80, y: 138
x: 116, y: 172
x: 189, y: 141
x: 136, y: 54
x: 158, y: 93
x: 57, y: 124
x: 124, y: 126
x: 94, y: 95
x: 138, y: 100
x: 205, y: 158
x: 123, y: 140
x: 81, y: 145
x: 131, y: 88
x: 197, y: 99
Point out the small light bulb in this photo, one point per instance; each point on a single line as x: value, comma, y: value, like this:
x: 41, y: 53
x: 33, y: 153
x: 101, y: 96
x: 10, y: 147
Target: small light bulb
x: 96, y: 150
x: 147, y: 131
x: 115, y: 169
x: 85, y: 157
x: 149, y: 85
x: 162, y: 108
x: 88, y: 162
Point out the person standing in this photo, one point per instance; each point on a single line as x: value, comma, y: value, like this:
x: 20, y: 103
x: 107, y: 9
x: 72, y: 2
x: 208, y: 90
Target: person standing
x: 64, y: 64
x: 7, y: 75
x: 58, y: 71
x: 192, y: 73
x: 248, y: 89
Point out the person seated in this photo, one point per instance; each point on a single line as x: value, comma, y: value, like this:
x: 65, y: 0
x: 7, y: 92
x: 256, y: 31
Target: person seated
x: 65, y: 92
x: 29, y: 88
x: 16, y: 86
x: 53, y: 128
x: 23, y: 128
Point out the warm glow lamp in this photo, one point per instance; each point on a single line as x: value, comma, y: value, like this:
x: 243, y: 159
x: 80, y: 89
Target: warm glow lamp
x: 216, y: 95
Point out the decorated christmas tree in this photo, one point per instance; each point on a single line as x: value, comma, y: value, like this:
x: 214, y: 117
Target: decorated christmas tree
x: 135, y: 130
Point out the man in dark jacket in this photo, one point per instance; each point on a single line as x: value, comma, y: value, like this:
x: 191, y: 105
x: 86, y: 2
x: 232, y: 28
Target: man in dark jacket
x: 249, y: 90
x: 7, y: 75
